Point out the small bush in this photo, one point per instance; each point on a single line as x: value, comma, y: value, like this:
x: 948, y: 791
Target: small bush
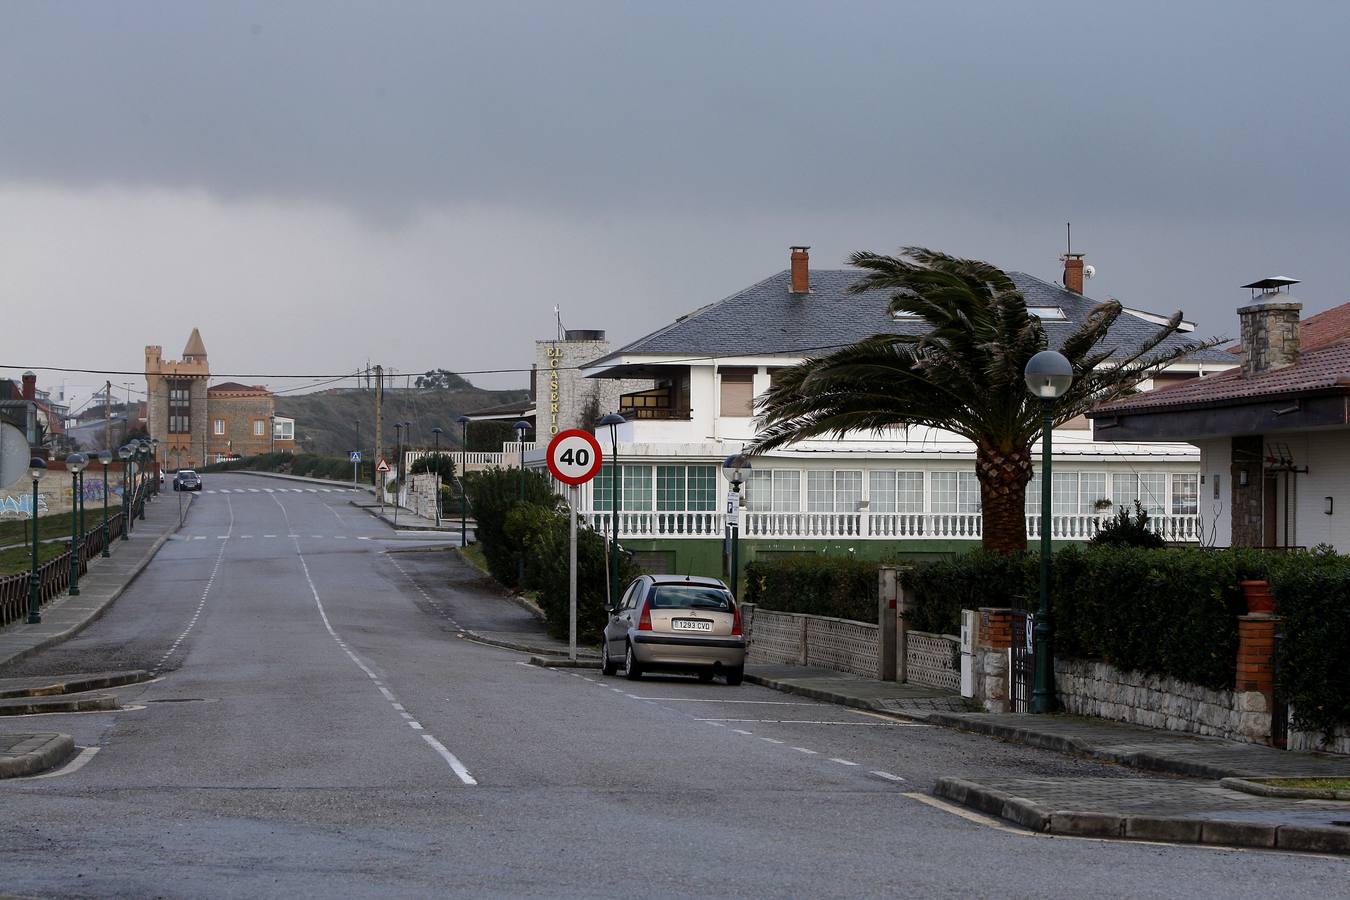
x: 1126, y: 530
x: 945, y: 587
x: 817, y: 585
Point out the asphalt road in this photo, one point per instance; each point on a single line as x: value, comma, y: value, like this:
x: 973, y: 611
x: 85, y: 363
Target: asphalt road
x: 319, y: 728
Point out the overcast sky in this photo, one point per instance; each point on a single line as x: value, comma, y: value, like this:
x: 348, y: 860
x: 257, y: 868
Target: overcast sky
x: 318, y: 185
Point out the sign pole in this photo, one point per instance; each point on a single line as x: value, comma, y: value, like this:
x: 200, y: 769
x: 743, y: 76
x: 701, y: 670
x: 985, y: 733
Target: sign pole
x: 572, y: 574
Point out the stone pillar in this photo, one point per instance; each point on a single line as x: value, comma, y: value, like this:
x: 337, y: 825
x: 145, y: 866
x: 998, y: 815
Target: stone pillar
x: 1247, y: 464
x: 992, y: 645
x: 888, y: 601
x: 1255, y: 687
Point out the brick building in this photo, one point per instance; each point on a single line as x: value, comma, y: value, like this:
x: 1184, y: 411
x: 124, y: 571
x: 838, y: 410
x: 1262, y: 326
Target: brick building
x: 199, y: 423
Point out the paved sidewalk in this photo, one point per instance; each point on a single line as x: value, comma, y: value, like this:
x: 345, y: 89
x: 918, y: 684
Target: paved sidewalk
x: 914, y: 701
x: 27, y: 753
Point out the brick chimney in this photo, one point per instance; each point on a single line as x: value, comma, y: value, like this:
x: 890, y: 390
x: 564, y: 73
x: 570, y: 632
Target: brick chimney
x: 801, y: 272
x: 1270, y: 326
x: 1073, y: 272
x: 29, y: 386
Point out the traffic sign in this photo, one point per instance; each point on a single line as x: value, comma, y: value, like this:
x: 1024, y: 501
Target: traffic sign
x: 383, y: 466
x: 356, y: 456
x: 574, y: 456
x: 733, y: 509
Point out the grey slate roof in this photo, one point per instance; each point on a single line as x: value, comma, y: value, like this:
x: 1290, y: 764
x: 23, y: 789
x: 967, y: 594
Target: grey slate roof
x: 766, y: 318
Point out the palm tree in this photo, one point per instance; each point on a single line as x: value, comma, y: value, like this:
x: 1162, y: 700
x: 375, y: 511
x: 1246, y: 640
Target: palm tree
x: 965, y: 375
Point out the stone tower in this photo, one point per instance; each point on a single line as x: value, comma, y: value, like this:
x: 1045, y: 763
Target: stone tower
x: 176, y: 410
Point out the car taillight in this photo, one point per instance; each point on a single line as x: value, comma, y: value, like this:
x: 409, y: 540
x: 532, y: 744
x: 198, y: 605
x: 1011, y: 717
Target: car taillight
x: 645, y: 620
x: 736, y: 621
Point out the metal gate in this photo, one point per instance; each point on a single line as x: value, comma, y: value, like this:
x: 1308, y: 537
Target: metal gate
x: 1022, y: 664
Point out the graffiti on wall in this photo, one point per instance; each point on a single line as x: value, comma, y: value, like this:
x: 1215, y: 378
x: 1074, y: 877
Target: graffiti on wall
x: 93, y: 490
x: 20, y: 506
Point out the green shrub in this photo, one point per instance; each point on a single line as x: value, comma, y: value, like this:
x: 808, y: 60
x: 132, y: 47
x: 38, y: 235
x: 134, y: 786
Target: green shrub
x: 440, y: 464
x: 818, y: 585
x: 492, y: 493
x: 1312, y: 594
x: 542, y: 533
x: 1128, y: 530
x: 943, y: 588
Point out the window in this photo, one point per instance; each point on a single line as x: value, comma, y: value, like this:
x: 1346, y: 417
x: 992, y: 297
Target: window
x: 1153, y: 492
x: 180, y: 406
x: 686, y: 488
x: 635, y: 487
x: 1185, y: 495
x: 955, y: 492
x: 218, y: 426
x: 833, y: 491
x: 283, y: 429
x: 259, y: 428
x: 774, y: 490
x: 1064, y: 494
x: 738, y: 392
x: 1091, y: 489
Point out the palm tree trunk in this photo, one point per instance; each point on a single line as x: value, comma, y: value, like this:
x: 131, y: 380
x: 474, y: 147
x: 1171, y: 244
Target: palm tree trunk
x: 1003, y: 477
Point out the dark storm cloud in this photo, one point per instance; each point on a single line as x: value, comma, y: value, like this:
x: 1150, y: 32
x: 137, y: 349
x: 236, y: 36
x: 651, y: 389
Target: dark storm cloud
x: 1218, y: 107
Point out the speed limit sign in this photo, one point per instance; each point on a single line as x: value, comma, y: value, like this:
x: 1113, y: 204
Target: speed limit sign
x: 574, y: 456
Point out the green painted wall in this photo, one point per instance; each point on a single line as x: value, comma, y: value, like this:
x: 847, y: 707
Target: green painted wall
x: 704, y: 557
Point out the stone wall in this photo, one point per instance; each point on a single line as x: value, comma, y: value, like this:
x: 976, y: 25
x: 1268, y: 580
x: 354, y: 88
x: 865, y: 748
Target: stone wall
x: 1157, y: 701
x: 421, y: 493
x: 991, y: 680
x: 1315, y: 740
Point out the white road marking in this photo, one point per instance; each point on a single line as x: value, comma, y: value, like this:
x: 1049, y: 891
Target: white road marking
x: 269, y: 535
x: 772, y: 740
x: 842, y: 762
x: 199, y: 537
x: 742, y: 731
x: 717, y: 724
x: 81, y: 759
x: 705, y: 700
x: 254, y: 491
x: 822, y: 722
x: 222, y: 537
x: 804, y: 750
x: 887, y: 775
x: 363, y: 538
x: 210, y: 580
x: 268, y: 490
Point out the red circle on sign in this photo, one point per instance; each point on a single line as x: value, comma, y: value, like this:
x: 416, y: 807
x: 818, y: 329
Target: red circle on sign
x: 574, y: 456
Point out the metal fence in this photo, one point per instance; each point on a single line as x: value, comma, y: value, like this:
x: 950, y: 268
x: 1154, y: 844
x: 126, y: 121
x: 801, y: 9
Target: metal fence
x: 54, y: 575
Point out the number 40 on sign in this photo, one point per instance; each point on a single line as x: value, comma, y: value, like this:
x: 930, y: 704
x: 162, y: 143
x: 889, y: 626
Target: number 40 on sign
x: 574, y: 456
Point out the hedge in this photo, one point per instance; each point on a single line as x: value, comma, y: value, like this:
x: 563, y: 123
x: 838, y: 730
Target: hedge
x: 1313, y: 598
x: 818, y: 585
x: 492, y: 493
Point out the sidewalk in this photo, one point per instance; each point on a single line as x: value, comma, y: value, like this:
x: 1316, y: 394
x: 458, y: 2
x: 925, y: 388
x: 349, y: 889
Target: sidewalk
x: 23, y: 753
x: 407, y: 520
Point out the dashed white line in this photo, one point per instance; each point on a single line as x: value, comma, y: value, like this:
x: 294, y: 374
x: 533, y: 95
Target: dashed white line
x: 742, y: 731
x: 887, y: 775
x: 196, y: 614
x: 772, y: 740
x: 842, y: 762
x: 804, y: 750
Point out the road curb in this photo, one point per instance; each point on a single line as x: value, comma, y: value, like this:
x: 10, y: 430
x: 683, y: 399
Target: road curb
x: 562, y: 662
x: 32, y: 706
x: 38, y: 754
x: 543, y: 652
x: 78, y: 685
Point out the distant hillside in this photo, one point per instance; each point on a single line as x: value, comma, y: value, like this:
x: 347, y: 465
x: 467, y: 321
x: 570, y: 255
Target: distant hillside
x: 325, y: 422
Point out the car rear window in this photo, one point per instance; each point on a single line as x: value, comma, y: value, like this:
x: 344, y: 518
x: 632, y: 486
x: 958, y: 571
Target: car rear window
x: 690, y: 596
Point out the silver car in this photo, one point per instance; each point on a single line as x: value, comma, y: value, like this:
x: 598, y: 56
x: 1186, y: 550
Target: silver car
x: 675, y: 623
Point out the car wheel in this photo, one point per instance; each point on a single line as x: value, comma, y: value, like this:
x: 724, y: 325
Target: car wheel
x: 735, y: 676
x: 631, y: 670
x: 607, y: 666
x: 705, y: 676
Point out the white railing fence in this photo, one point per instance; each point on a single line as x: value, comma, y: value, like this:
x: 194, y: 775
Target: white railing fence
x: 862, y: 525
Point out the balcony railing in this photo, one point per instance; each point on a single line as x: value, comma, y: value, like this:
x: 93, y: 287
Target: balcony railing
x: 864, y: 525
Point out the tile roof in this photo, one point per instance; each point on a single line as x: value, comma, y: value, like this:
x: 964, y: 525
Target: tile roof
x: 1324, y: 369
x: 766, y: 318
x: 1326, y: 327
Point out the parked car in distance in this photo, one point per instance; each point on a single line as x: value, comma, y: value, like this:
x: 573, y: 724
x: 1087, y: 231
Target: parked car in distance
x: 187, y: 480
x: 675, y: 623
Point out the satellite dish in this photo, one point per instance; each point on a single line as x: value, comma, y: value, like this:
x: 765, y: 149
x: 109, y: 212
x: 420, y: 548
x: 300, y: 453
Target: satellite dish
x: 1089, y: 271
x: 14, y: 455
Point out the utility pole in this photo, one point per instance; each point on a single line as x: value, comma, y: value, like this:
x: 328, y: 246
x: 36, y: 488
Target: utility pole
x: 107, y: 423
x: 379, y: 419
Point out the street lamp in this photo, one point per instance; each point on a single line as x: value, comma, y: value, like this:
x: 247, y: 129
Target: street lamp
x: 272, y: 423
x: 154, y: 454
x: 75, y: 462
x: 124, y: 454
x: 613, y: 420
x: 36, y: 466
x: 398, y: 465
x: 521, y: 427
x: 357, y: 477
x: 1048, y: 375
x: 145, y: 468
x: 436, y: 433
x: 463, y: 463
x: 734, y: 468
x: 105, y: 457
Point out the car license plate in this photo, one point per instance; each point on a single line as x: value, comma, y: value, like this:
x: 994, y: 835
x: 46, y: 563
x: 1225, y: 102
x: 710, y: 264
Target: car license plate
x: 691, y: 624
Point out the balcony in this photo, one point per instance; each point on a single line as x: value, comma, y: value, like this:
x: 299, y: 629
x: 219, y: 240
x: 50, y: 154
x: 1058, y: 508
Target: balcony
x: 656, y: 403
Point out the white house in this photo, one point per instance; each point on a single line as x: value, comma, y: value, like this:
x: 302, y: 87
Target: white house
x: 906, y: 494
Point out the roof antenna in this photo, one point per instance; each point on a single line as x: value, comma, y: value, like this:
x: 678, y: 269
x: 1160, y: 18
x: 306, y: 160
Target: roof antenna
x: 1068, y: 239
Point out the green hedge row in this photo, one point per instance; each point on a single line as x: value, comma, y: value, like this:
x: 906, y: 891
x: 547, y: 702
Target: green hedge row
x: 1314, y: 600
x: 334, y: 468
x: 819, y: 585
